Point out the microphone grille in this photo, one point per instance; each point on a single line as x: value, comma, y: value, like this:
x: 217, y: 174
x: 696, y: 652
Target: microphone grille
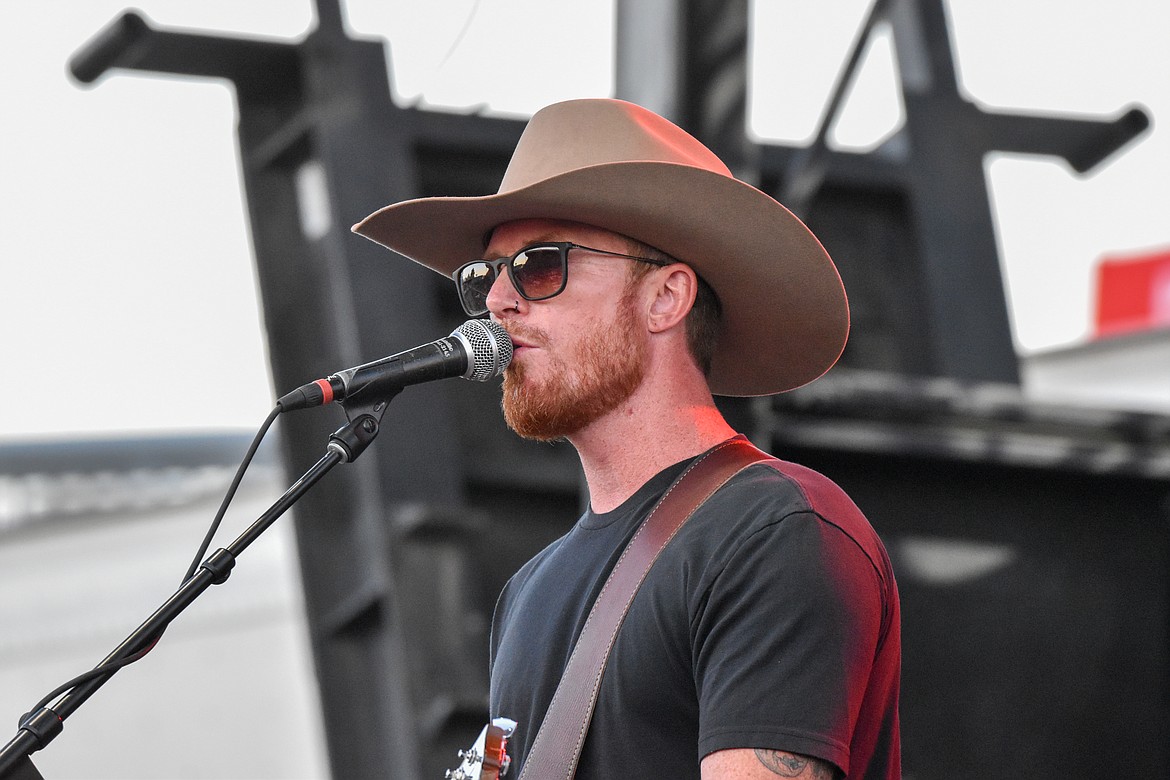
x: 490, y: 348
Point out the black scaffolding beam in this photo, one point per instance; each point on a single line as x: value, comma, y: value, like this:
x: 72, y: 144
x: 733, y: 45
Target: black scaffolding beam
x: 403, y: 553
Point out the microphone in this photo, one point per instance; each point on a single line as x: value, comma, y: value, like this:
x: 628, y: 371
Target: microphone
x: 478, y: 350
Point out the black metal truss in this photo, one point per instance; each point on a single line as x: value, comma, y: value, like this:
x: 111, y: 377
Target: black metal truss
x: 403, y: 552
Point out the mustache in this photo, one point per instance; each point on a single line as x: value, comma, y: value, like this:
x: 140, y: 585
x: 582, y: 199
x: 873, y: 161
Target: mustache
x: 525, y: 334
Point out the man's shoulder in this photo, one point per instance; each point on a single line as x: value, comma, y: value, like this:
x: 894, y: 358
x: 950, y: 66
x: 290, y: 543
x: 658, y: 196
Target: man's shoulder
x: 768, y: 494
x: 783, y: 487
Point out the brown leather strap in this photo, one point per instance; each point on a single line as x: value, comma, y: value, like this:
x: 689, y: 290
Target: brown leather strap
x: 558, y: 743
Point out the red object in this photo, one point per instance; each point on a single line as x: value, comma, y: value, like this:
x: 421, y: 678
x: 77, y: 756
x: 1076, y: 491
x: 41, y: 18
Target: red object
x: 1133, y: 293
x: 326, y: 391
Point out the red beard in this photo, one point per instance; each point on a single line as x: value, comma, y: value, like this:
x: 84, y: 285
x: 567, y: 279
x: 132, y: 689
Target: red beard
x: 605, y: 371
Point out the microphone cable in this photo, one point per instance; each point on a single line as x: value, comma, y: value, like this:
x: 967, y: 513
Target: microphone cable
x: 231, y: 492
x: 108, y: 668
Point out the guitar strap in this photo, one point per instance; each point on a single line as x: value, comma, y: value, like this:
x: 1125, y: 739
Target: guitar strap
x: 558, y: 742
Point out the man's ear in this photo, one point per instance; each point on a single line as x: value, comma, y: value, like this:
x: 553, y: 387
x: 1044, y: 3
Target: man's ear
x: 674, y: 294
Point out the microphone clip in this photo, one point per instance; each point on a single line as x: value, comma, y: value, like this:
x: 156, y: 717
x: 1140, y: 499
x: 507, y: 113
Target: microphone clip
x: 365, y: 420
x: 350, y: 440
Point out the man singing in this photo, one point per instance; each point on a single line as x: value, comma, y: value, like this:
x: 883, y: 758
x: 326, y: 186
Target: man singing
x: 637, y: 278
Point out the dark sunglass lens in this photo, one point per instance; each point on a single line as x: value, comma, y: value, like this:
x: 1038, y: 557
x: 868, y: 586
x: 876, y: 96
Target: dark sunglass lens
x: 475, y: 282
x: 539, y: 272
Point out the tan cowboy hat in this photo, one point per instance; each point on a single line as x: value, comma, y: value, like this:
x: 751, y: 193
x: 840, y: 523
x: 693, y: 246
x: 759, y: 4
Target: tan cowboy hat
x: 620, y: 167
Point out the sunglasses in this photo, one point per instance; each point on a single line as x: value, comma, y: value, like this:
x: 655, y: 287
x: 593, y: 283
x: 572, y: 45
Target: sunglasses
x: 538, y: 272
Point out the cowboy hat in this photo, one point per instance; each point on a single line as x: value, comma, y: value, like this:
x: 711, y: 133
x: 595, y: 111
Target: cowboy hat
x: 618, y: 166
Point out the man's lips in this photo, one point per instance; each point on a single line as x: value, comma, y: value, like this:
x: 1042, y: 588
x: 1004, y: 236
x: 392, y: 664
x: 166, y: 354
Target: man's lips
x: 520, y: 341
x: 519, y: 350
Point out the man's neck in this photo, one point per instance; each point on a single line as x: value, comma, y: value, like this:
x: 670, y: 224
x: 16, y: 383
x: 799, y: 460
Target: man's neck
x: 627, y: 447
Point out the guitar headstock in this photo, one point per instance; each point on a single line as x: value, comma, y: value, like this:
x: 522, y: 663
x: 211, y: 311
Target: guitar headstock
x: 488, y: 758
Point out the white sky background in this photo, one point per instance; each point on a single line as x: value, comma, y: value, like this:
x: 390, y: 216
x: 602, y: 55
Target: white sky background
x: 127, y: 295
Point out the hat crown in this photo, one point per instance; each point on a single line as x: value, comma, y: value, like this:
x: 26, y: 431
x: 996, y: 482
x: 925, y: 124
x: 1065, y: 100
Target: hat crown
x: 577, y: 134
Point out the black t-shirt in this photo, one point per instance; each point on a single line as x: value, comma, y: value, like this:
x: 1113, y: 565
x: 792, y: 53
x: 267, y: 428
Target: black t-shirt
x: 770, y: 621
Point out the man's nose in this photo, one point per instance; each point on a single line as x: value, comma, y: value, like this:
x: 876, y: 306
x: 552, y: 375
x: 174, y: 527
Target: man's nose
x: 503, y: 295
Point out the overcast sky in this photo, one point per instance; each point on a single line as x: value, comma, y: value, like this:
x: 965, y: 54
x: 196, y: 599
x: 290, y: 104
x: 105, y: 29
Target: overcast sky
x: 127, y: 299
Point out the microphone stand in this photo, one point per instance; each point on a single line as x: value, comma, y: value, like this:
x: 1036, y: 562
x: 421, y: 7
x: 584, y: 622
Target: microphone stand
x: 39, y: 728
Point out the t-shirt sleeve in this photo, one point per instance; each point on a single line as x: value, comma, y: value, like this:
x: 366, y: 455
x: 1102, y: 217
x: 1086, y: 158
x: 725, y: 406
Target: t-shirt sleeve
x: 784, y: 640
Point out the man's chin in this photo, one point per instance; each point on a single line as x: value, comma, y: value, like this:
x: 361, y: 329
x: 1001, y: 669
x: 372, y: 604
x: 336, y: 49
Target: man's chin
x: 528, y: 412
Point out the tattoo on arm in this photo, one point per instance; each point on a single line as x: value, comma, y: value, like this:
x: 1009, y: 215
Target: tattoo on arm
x: 794, y: 765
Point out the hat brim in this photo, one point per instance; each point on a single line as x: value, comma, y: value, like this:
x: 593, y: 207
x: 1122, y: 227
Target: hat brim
x: 785, y: 314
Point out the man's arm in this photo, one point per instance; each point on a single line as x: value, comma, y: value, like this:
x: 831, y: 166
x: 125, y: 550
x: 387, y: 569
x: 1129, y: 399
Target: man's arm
x: 759, y: 764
